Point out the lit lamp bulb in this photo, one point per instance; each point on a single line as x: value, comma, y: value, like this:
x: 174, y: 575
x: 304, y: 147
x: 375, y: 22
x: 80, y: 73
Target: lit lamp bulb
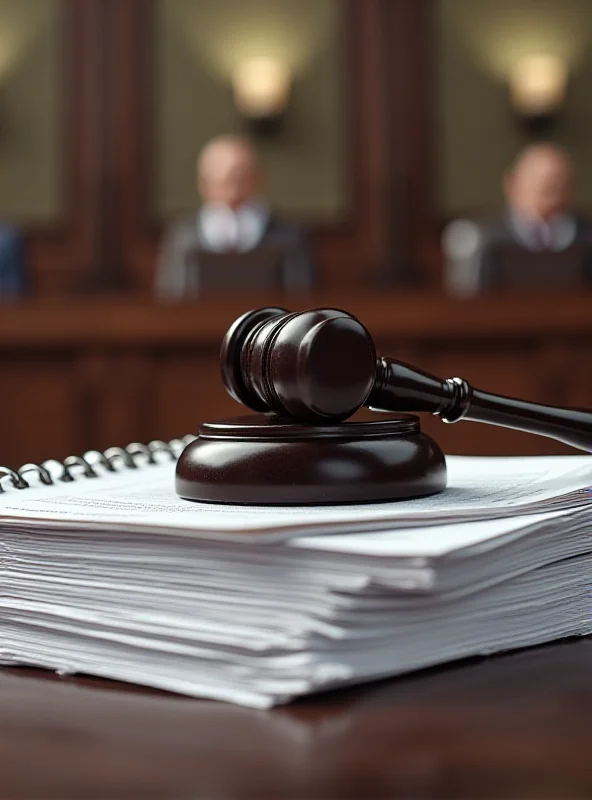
x: 261, y: 88
x: 538, y: 85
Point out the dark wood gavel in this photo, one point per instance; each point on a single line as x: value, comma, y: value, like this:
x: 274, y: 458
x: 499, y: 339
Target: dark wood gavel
x: 321, y: 366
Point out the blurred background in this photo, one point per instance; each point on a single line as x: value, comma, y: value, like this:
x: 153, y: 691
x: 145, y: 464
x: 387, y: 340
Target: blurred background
x: 166, y: 165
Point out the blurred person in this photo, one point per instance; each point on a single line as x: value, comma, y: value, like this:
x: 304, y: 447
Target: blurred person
x: 539, y: 219
x: 13, y: 279
x: 234, y: 218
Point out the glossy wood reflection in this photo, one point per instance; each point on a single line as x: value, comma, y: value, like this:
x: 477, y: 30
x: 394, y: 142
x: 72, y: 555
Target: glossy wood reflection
x: 512, y: 726
x: 266, y: 460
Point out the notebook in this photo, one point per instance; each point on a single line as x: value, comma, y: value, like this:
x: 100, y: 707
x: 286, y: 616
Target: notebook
x: 105, y: 571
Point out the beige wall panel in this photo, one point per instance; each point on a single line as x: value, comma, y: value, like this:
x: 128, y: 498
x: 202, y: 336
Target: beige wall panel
x: 30, y: 110
x: 476, y: 42
x: 198, y: 42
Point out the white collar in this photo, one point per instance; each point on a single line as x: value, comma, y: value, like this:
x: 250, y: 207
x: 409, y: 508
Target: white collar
x: 221, y: 228
x: 562, y: 227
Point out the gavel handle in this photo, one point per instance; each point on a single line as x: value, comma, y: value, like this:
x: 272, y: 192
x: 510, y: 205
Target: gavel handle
x: 400, y: 387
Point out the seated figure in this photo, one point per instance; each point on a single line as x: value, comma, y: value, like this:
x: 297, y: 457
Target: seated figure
x: 233, y: 226
x: 538, y: 242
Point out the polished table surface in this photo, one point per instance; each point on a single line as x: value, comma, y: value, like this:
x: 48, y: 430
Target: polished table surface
x: 517, y: 725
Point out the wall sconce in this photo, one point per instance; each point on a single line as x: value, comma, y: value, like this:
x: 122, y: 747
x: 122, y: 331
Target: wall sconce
x: 538, y: 87
x: 262, y: 89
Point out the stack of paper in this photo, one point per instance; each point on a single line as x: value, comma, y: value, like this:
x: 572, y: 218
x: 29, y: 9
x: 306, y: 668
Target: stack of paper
x: 118, y: 577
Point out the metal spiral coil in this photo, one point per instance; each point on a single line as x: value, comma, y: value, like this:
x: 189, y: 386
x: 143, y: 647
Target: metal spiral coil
x: 94, y: 462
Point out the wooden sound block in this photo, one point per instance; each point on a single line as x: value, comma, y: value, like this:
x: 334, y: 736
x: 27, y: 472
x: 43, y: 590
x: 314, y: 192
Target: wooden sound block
x: 267, y: 460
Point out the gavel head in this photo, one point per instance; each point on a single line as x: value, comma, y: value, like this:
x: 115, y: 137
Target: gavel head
x: 317, y: 365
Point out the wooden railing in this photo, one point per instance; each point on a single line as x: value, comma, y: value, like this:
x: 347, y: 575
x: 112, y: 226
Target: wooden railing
x: 91, y: 373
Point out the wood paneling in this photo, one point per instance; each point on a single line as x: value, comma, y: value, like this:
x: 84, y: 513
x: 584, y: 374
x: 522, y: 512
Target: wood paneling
x: 97, y: 373
x: 188, y: 389
x: 375, y: 242
x: 41, y: 413
x: 415, y: 243
x: 108, y: 238
x: 62, y: 256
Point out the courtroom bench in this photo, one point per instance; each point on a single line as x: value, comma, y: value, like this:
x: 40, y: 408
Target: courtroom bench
x: 89, y: 373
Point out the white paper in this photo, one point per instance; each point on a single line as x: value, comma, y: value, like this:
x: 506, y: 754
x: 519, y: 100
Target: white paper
x: 478, y: 488
x: 90, y: 583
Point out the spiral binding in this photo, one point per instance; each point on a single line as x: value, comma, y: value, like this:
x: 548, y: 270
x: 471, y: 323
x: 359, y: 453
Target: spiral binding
x: 108, y: 460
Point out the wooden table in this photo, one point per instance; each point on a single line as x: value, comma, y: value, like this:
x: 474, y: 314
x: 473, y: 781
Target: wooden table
x: 512, y: 726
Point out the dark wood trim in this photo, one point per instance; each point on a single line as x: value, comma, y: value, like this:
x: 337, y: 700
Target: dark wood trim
x: 133, y: 233
x: 107, y: 270
x: 414, y: 242
x: 60, y: 255
x: 390, y: 315
x: 357, y: 251
x: 141, y: 232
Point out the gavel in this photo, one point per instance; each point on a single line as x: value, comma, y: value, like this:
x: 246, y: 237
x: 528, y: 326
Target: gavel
x: 305, y: 373
x: 321, y: 366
